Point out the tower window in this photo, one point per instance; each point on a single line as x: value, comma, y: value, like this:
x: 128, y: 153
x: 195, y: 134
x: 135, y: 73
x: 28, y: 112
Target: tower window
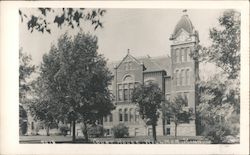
x: 187, y: 77
x: 185, y: 55
x: 177, y: 55
x: 177, y: 78
x: 182, y: 55
x: 182, y: 77
x: 188, y: 54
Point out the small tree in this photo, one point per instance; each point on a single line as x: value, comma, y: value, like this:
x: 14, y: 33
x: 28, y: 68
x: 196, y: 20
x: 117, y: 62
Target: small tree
x: 177, y: 111
x: 149, y: 98
x: 120, y: 131
x: 22, y: 120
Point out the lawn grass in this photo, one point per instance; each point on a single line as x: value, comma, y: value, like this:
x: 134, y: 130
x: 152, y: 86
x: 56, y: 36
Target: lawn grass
x: 110, y: 140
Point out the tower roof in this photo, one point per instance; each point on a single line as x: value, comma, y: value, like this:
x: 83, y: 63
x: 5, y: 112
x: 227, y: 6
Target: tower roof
x: 184, y: 23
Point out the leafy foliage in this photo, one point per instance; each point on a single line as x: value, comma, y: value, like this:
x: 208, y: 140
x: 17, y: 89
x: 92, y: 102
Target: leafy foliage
x: 44, y: 105
x: 95, y: 130
x: 71, y: 17
x: 219, y: 108
x: 73, y: 83
x: 149, y: 98
x: 177, y: 111
x: 218, y: 112
x: 225, y: 48
x: 25, y: 71
x: 120, y: 131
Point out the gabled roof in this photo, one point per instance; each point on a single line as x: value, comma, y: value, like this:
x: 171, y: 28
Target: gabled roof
x: 151, y: 64
x: 130, y: 56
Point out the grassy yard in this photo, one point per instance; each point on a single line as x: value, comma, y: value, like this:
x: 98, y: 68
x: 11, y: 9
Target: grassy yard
x: 111, y: 140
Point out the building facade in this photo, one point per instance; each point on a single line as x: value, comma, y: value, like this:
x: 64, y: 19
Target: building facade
x: 175, y: 75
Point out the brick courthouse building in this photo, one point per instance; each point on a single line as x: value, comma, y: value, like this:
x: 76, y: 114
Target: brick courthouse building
x: 175, y: 75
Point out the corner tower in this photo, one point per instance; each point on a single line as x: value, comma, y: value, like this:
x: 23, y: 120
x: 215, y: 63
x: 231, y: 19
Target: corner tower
x: 184, y: 68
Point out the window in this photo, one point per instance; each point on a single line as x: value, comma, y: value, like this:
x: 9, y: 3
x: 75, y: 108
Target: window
x: 187, y: 77
x: 126, y: 92
x: 182, y: 55
x: 168, y: 131
x: 137, y: 115
x: 168, y: 121
x: 108, y: 132
x: 186, y: 96
x: 120, y: 115
x: 131, y: 88
x: 188, y: 54
x: 131, y: 116
x: 177, y: 55
x: 105, y: 119
x: 119, y: 92
x: 125, y: 115
x: 111, y: 117
x: 177, y: 78
x: 182, y: 82
x: 185, y: 54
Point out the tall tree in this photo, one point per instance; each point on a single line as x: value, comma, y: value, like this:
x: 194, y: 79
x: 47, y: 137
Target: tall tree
x: 42, y: 18
x: 219, y: 99
x: 224, y: 51
x: 45, y: 94
x: 149, y: 98
x: 83, y: 80
x: 177, y: 111
x: 25, y: 71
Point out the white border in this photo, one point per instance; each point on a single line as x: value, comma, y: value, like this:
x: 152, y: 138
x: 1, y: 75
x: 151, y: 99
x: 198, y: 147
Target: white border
x: 9, y: 83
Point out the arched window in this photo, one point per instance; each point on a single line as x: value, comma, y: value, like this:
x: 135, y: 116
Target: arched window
x: 131, y: 115
x: 177, y: 55
x: 182, y: 77
x: 126, y: 115
x: 128, y: 78
x: 177, y: 77
x: 187, y: 77
x: 120, y: 115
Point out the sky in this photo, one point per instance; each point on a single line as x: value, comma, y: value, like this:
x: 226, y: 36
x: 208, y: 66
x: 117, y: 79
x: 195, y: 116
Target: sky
x: 143, y: 31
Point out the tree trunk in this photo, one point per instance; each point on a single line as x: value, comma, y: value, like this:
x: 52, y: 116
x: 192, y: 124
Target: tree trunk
x: 175, y: 133
x: 47, y: 130
x: 85, y: 132
x: 74, y: 131
x: 154, y: 133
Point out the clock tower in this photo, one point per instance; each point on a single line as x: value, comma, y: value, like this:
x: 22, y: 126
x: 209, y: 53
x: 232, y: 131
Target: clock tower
x: 184, y: 68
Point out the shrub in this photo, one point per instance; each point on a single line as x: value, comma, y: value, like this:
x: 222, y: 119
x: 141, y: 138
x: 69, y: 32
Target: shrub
x: 120, y: 131
x: 95, y: 131
x: 64, y: 129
